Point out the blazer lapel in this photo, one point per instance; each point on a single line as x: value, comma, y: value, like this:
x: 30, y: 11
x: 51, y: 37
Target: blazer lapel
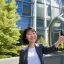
x: 26, y: 56
x: 38, y: 51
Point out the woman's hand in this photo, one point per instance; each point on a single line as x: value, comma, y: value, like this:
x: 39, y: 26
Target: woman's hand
x: 60, y: 40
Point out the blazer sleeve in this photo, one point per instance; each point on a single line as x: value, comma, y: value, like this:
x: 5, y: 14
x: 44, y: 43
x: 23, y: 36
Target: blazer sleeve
x: 20, y: 58
x: 47, y: 50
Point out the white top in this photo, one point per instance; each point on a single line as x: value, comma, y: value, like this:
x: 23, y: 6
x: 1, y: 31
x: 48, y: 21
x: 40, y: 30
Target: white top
x: 33, y: 57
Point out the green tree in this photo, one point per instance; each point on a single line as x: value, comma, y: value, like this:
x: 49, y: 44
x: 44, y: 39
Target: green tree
x: 41, y: 40
x: 9, y: 33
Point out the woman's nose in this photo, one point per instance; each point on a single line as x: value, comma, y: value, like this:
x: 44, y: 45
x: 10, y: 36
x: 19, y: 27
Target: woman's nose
x: 32, y: 35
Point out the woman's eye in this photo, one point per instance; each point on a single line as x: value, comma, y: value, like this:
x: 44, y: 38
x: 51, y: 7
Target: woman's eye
x: 29, y: 34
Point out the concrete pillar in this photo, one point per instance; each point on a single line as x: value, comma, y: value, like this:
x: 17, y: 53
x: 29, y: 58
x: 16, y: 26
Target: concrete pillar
x: 45, y: 21
x: 34, y: 14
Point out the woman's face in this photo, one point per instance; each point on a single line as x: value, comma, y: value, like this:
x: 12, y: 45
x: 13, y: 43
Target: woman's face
x: 31, y: 36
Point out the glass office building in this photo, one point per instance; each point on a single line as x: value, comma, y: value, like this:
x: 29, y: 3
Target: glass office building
x: 39, y: 14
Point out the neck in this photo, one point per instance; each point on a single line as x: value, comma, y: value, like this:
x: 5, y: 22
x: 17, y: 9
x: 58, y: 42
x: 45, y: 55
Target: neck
x: 31, y: 45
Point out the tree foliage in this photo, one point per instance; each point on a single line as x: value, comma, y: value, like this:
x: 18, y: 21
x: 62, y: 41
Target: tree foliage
x: 41, y: 40
x: 9, y: 33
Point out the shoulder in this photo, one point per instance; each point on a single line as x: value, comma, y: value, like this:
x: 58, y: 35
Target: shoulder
x: 23, y: 49
x: 38, y: 45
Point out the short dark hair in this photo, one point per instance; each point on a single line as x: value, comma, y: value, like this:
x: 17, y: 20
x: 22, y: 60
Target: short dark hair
x: 25, y: 41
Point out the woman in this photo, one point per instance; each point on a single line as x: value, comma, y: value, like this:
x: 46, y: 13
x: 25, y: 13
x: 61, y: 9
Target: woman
x: 33, y: 53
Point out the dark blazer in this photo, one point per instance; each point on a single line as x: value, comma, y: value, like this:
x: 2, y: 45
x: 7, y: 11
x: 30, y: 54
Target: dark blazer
x: 40, y: 49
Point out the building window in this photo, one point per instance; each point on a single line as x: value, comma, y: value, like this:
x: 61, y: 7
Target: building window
x: 24, y: 22
x: 55, y: 12
x: 48, y: 1
x: 63, y: 26
x: 62, y: 2
x: 19, y: 9
x: 26, y: 9
x: 19, y: 4
x: 27, y: 0
x: 48, y: 23
x: 41, y: 1
x: 55, y: 3
x: 40, y: 33
x: 40, y: 24
x: 55, y: 36
x: 19, y: 23
x: 19, y: 0
x: 40, y: 10
x: 48, y: 7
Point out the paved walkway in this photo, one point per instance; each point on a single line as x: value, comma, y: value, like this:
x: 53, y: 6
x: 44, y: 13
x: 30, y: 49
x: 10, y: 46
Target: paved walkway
x: 14, y: 60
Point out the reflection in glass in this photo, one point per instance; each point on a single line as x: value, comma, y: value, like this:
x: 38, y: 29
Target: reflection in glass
x: 55, y: 37
x: 48, y: 23
x: 62, y: 2
x: 63, y: 26
x: 19, y: 4
x: 27, y: 0
x: 40, y: 10
x: 41, y: 33
x: 48, y: 1
x: 48, y: 9
x: 19, y: 0
x: 19, y: 23
x: 26, y: 9
x: 19, y: 9
x: 40, y: 23
x: 24, y: 22
x: 57, y: 24
x: 40, y: 1
x: 55, y: 3
x: 55, y: 12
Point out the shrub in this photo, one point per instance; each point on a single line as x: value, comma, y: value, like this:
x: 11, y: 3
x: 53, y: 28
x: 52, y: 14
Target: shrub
x: 41, y: 40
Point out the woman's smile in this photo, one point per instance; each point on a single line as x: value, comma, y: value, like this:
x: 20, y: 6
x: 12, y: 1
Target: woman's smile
x: 33, y: 38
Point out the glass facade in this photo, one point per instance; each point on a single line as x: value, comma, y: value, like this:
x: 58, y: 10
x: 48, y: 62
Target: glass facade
x: 48, y: 10
x: 25, y: 10
x: 40, y: 10
x: 19, y: 9
x: 45, y: 11
x: 55, y: 12
x: 41, y: 1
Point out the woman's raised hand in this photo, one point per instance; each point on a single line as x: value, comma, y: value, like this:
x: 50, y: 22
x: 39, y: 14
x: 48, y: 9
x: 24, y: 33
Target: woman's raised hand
x: 60, y: 40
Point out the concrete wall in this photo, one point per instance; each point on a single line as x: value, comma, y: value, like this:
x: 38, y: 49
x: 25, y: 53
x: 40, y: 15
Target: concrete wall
x: 48, y: 59
x: 13, y: 60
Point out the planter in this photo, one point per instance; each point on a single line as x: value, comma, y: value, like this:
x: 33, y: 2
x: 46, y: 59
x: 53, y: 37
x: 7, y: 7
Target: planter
x: 56, y: 58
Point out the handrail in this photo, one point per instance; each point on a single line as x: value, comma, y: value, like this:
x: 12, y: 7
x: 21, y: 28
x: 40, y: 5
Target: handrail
x: 56, y: 19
